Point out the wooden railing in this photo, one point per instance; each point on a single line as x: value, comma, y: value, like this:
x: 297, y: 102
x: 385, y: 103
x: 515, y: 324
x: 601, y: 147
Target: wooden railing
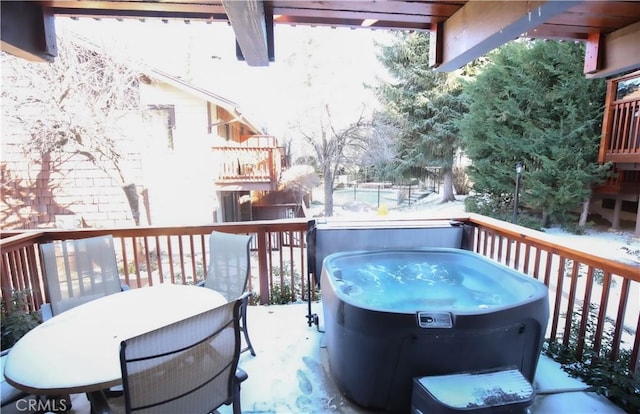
x: 591, y: 297
x: 249, y: 164
x: 620, y: 141
x: 624, y: 142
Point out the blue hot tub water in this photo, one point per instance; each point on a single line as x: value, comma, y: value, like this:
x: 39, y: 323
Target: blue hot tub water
x: 401, y: 281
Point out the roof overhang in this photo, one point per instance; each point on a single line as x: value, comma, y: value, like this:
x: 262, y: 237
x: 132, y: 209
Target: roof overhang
x: 463, y: 30
x: 208, y: 96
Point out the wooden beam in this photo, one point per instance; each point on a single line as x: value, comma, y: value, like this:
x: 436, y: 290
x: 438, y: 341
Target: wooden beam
x: 592, y: 55
x: 620, y: 52
x: 481, y: 26
x: 28, y: 31
x: 248, y: 22
x: 435, y: 45
x: 134, y: 8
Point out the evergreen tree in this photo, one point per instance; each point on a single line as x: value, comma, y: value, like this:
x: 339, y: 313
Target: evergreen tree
x: 423, y: 105
x: 532, y: 103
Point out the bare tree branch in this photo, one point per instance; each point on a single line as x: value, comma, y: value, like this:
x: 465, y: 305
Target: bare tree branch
x: 74, y: 105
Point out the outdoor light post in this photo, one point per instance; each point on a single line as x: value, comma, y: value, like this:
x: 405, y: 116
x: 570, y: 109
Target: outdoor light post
x: 519, y: 169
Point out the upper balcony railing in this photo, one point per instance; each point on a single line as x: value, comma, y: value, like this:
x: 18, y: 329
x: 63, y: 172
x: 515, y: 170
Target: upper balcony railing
x: 593, y: 299
x: 621, y: 125
x: 249, y: 165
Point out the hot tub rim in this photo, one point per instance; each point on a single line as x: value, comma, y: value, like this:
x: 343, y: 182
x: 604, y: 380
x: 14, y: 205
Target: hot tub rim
x: 540, y: 289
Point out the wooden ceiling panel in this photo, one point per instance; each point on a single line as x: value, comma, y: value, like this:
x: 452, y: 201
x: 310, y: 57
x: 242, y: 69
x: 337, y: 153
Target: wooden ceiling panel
x: 459, y: 20
x: 607, y: 8
x: 292, y: 15
x: 591, y: 22
x: 557, y: 32
x: 417, y: 8
x: 123, y: 7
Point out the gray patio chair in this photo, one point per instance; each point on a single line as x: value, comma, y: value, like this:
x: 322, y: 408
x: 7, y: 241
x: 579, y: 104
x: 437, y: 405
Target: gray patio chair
x: 78, y: 271
x: 190, y: 366
x: 228, y: 272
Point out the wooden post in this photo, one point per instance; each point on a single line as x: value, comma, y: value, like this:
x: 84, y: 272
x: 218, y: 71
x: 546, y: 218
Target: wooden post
x: 263, y: 273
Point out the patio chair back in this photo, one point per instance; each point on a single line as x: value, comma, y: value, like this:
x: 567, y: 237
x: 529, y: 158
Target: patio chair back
x: 78, y: 271
x: 229, y: 264
x: 186, y: 367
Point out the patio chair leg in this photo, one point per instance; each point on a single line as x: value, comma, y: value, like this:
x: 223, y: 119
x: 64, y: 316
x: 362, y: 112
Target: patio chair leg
x: 245, y: 331
x: 99, y: 403
x: 236, y: 404
x: 240, y: 376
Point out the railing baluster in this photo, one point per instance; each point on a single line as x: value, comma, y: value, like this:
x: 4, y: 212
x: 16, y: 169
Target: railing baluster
x: 159, y: 258
x: 547, y: 269
x: 263, y: 275
x: 7, y: 285
x: 527, y: 257
x: 194, y: 269
x: 205, y: 256
x: 614, y: 146
x: 147, y: 257
x: 172, y: 270
x: 602, y: 313
x: 136, y: 260
x: 500, y: 246
x: 586, y: 311
x: 125, y: 261
x: 624, y: 130
x: 570, y: 302
x: 635, y: 144
x: 558, y: 299
x: 181, y: 253
x: 619, y: 323
x: 487, y: 237
x: 34, y: 275
x: 492, y: 242
x: 634, y: 361
x: 516, y: 258
x: 536, y: 264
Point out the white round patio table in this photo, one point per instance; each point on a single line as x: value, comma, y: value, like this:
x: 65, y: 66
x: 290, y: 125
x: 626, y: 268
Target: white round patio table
x: 78, y: 351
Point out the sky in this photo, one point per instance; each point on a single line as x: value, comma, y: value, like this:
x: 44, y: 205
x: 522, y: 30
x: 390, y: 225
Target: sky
x: 338, y: 60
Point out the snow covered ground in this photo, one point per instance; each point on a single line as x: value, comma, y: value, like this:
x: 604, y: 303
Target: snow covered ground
x: 619, y: 245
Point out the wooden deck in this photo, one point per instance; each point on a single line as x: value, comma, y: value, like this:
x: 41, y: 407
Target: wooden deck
x: 291, y: 373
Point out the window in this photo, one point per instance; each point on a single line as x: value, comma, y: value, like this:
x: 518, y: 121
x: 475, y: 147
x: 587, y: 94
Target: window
x: 161, y: 121
x: 628, y: 88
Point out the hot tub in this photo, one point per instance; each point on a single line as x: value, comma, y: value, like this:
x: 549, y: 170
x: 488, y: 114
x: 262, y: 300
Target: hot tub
x: 394, y: 315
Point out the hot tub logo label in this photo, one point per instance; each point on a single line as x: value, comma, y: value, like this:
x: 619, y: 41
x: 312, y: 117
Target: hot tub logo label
x: 435, y: 320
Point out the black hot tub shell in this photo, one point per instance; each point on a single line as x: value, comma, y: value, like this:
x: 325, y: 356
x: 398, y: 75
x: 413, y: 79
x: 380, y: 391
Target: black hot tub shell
x: 394, y: 315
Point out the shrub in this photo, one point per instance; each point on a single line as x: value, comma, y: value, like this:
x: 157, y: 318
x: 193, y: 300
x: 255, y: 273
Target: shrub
x: 485, y: 204
x: 281, y: 294
x: 461, y: 182
x: 501, y: 208
x: 17, y: 320
x: 612, y: 379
